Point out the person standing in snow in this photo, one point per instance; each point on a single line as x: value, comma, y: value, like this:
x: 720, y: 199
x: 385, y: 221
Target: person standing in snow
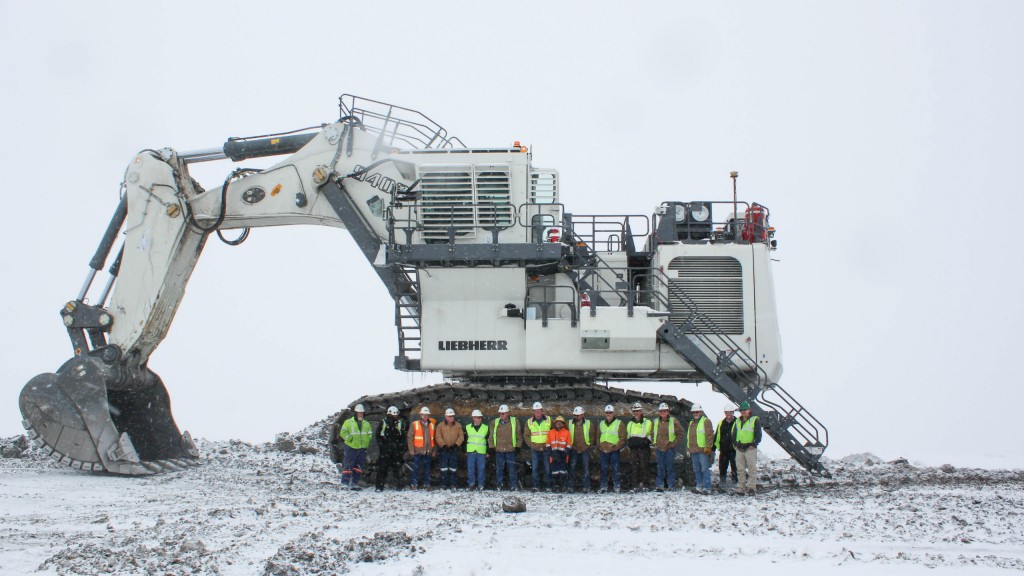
x: 536, y: 433
x: 726, y: 450
x: 700, y: 443
x: 476, y: 450
x: 422, y: 449
x: 667, y: 432
x: 505, y: 440
x: 746, y: 432
x: 638, y: 439
x: 581, y: 435
x: 391, y: 443
x: 356, y: 433
x: 559, y: 441
x: 611, y: 439
x: 450, y: 437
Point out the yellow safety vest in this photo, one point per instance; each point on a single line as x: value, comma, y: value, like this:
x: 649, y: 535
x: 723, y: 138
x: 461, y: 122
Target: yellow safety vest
x: 744, y: 431
x: 641, y: 429
x: 572, y: 431
x: 494, y: 430
x: 699, y: 433
x: 476, y: 439
x: 539, y: 430
x: 610, y: 432
x: 671, y: 429
x: 718, y: 435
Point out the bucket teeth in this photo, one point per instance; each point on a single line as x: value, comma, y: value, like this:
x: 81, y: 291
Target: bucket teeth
x: 189, y: 445
x: 124, y: 450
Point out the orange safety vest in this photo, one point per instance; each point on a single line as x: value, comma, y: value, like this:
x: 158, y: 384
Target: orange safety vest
x: 417, y: 433
x: 559, y: 439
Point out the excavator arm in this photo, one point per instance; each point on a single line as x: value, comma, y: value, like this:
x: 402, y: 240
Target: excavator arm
x: 104, y: 409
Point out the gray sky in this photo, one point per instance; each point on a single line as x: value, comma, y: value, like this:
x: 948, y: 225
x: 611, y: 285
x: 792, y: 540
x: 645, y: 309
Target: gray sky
x: 882, y: 135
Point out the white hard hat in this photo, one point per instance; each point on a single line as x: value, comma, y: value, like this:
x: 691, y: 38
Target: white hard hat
x: 609, y: 408
x: 663, y: 406
x: 449, y: 412
x: 577, y: 411
x: 637, y: 406
x: 424, y: 410
x: 730, y: 408
x: 696, y: 408
x: 538, y: 406
x: 478, y: 414
x: 393, y: 410
x: 503, y: 409
x: 359, y: 408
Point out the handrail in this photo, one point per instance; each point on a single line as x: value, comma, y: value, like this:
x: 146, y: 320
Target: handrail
x: 409, y: 126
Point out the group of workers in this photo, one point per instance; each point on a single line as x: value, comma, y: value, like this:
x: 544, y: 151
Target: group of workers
x: 559, y: 449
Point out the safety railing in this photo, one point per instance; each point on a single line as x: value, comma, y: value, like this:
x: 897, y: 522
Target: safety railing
x: 610, y: 232
x: 746, y: 222
x: 395, y: 124
x: 544, y: 303
x: 788, y: 414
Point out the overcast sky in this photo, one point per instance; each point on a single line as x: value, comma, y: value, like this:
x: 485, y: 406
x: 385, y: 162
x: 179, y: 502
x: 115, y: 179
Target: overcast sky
x: 884, y: 136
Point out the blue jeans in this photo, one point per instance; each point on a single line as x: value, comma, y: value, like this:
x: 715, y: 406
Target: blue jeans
x: 612, y: 459
x: 666, y: 468
x: 475, y: 467
x: 701, y: 470
x: 579, y: 460
x: 352, y: 466
x: 449, y: 462
x: 506, y: 461
x: 539, y: 458
x: 421, y: 469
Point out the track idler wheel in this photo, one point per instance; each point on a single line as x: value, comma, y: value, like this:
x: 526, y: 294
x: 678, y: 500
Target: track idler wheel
x: 88, y: 417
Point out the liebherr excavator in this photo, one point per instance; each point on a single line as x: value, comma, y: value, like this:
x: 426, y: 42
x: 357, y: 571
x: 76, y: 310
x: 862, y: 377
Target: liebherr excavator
x: 495, y: 285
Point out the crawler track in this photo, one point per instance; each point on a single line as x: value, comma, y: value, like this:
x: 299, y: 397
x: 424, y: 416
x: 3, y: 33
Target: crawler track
x: 559, y: 398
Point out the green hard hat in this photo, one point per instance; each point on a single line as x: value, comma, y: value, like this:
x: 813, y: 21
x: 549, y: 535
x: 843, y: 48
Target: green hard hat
x: 744, y: 406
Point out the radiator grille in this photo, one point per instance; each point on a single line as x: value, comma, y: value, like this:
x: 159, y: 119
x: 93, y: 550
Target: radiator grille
x: 464, y: 197
x: 713, y: 284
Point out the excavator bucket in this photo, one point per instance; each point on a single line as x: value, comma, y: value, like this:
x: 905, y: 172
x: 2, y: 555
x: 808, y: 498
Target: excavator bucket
x: 87, y: 417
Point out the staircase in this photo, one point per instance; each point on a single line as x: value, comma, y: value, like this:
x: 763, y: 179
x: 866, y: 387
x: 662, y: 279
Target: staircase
x: 734, y: 373
x: 720, y: 359
x: 407, y: 318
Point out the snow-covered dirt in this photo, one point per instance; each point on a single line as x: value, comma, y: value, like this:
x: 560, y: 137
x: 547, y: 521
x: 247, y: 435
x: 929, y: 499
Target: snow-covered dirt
x: 259, y: 510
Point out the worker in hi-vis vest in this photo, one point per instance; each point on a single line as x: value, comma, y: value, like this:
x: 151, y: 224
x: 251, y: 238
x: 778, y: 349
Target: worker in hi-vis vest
x: 746, y: 433
x: 356, y: 433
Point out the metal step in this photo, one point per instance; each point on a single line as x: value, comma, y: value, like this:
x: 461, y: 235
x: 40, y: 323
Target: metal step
x: 799, y: 433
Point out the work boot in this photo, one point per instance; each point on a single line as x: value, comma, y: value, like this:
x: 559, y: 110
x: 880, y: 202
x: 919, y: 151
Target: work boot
x: 602, y: 491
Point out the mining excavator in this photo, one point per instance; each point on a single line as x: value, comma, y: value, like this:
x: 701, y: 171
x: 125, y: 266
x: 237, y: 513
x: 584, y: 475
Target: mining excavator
x: 495, y: 285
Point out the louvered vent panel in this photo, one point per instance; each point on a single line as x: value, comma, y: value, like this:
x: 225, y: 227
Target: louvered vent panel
x: 544, y: 187
x: 713, y: 284
x: 493, y: 196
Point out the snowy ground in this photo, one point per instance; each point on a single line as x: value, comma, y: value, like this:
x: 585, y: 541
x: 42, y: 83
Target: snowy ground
x: 257, y: 510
